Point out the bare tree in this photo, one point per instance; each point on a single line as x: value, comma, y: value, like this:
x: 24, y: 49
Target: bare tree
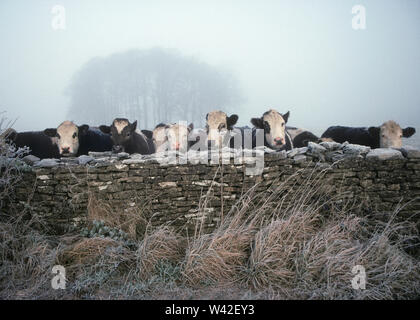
x: 151, y: 86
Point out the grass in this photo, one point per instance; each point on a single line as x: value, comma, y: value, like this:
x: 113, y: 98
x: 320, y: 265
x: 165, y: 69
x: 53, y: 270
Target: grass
x: 298, y: 242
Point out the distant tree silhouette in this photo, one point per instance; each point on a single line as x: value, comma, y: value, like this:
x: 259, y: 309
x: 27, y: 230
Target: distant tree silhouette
x: 151, y: 86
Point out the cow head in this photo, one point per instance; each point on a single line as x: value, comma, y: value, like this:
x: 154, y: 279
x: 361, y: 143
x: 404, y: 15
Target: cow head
x: 390, y: 134
x: 172, y: 136
x: 66, y: 136
x: 218, y: 125
x: 274, y: 125
x: 121, y: 131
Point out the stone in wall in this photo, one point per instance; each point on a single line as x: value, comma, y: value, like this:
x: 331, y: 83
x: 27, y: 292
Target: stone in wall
x: 58, y: 190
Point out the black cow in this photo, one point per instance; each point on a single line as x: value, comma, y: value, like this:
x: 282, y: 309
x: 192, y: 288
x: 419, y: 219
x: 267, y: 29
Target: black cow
x: 125, y: 138
x: 387, y: 135
x: 73, y: 140
x: 218, y: 127
x: 40, y: 145
x: 274, y: 125
x: 301, y: 137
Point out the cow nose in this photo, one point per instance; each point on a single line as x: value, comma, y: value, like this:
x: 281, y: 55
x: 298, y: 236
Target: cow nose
x: 117, y: 149
x: 279, y: 140
x: 177, y: 145
x: 65, y: 150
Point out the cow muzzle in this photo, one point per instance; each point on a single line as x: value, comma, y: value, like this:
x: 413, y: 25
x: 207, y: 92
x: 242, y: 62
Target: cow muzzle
x: 117, y: 148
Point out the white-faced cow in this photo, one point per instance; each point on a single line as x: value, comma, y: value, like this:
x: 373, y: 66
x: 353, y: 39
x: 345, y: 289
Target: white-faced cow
x: 274, y: 125
x: 73, y: 140
x: 39, y: 144
x: 125, y: 138
x: 219, y: 127
x: 388, y: 135
x: 172, y: 137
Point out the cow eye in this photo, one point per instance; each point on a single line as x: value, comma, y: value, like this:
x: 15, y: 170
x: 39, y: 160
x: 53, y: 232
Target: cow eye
x: 222, y: 126
x: 58, y: 136
x: 282, y: 124
x: 128, y: 134
x: 74, y: 135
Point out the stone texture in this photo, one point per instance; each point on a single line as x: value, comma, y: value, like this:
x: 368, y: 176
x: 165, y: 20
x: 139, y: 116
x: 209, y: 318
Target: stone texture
x: 46, y: 163
x: 172, y: 192
x: 384, y: 154
x: 83, y: 159
x: 30, y: 159
x: 355, y: 149
x: 410, y: 152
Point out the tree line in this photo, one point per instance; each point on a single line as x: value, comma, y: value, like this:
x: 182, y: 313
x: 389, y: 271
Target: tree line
x: 151, y: 86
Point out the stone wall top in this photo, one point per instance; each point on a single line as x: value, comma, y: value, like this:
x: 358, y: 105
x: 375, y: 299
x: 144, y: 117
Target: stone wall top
x: 328, y: 152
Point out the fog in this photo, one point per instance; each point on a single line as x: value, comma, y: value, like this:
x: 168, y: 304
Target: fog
x: 303, y: 56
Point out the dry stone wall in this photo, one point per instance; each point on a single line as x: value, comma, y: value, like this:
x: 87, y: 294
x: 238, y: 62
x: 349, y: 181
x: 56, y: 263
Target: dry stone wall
x: 59, y: 190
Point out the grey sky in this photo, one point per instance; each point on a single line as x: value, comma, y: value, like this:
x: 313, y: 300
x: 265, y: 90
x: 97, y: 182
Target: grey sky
x: 296, y: 55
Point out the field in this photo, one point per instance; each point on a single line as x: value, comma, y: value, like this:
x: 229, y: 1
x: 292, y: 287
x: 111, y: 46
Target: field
x: 261, y: 249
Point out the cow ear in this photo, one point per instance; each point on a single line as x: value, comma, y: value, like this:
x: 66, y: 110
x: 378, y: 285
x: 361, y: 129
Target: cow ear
x: 231, y: 121
x: 133, y: 126
x: 408, y: 132
x: 190, y: 127
x: 148, y: 133
x: 51, y: 132
x: 258, y: 123
x: 160, y: 125
x: 83, y: 129
x: 374, y: 131
x: 105, y: 129
x: 286, y: 116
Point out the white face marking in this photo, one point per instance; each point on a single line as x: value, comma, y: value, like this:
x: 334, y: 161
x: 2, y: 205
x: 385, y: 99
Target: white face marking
x: 217, y: 127
x: 120, y: 125
x: 159, y: 139
x: 67, y: 138
x: 177, y: 137
x: 277, y: 135
x: 390, y: 135
x: 171, y: 137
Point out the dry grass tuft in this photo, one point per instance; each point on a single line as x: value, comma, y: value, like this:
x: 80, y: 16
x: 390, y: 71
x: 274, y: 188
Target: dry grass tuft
x: 86, y: 251
x: 218, y: 257
x: 159, y: 245
x: 132, y: 221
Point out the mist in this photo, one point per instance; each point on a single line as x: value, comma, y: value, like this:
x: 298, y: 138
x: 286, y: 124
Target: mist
x: 298, y: 56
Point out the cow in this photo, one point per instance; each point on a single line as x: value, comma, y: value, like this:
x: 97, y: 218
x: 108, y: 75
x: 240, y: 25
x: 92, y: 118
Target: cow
x: 39, y: 144
x: 218, y: 128
x: 274, y: 125
x: 301, y: 137
x: 72, y: 140
x: 172, y: 137
x: 388, y: 135
x: 126, y: 138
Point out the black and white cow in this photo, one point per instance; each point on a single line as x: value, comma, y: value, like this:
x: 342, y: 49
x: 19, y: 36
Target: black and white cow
x: 173, y: 136
x: 274, y: 125
x: 72, y: 140
x: 219, y: 128
x: 126, y: 138
x: 39, y: 144
x: 301, y: 137
x: 388, y: 135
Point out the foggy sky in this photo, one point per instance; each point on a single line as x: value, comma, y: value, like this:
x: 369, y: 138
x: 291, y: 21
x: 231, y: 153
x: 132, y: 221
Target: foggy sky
x: 296, y: 55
